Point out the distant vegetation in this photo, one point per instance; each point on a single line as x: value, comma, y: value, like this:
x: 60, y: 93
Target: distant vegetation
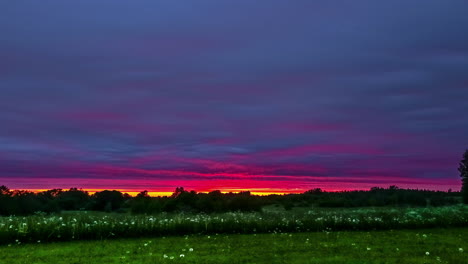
x: 19, y: 202
x: 463, y: 169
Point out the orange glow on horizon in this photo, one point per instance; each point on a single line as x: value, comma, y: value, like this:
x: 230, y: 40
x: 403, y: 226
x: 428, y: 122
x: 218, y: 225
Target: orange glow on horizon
x: 260, y: 192
x: 159, y: 193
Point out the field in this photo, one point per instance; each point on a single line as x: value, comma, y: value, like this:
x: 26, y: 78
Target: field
x: 85, y: 225
x: 303, y: 235
x: 435, y: 245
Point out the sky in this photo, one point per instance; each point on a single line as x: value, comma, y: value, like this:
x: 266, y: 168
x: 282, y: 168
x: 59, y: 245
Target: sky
x: 272, y: 96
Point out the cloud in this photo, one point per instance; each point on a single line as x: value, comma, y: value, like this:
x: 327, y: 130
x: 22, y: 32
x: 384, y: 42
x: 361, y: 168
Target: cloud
x: 285, y: 95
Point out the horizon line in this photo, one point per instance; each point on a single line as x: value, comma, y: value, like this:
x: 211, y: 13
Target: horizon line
x: 153, y: 193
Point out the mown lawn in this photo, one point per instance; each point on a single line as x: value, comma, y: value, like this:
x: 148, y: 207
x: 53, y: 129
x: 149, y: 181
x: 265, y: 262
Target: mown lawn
x: 403, y: 246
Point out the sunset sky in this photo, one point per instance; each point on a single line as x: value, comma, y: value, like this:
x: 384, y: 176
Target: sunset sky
x: 268, y: 96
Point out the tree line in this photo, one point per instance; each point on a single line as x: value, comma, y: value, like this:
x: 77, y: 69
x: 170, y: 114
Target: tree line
x: 19, y: 202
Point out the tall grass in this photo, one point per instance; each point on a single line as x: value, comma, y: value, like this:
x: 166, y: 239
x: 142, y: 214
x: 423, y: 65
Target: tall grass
x: 88, y: 225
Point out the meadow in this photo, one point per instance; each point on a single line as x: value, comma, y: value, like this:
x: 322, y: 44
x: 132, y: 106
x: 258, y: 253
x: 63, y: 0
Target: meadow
x: 435, y: 245
x: 85, y: 225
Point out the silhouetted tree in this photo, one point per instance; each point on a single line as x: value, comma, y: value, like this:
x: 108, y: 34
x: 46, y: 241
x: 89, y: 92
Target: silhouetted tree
x: 6, y: 202
x: 26, y: 202
x: 49, y: 200
x: 143, y: 194
x: 144, y: 204
x: 314, y: 191
x: 463, y: 169
x: 178, y: 191
x: 4, y: 191
x: 73, y: 199
x: 108, y: 200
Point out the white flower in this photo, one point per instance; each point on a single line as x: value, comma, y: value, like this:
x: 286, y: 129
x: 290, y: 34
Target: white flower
x: 191, y: 249
x: 368, y: 248
x: 182, y: 255
x: 427, y: 253
x: 460, y: 249
x: 164, y: 256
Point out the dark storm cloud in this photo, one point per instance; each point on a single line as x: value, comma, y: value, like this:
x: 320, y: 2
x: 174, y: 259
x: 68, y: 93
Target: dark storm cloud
x: 322, y: 90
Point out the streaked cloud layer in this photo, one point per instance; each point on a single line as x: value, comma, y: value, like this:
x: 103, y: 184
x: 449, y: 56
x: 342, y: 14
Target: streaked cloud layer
x: 261, y: 95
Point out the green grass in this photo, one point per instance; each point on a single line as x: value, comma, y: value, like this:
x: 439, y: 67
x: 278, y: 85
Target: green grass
x: 84, y: 225
x: 403, y: 246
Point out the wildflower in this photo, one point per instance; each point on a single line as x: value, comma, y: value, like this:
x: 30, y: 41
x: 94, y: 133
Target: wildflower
x: 191, y: 249
x: 460, y: 249
x: 165, y: 256
x: 182, y: 255
x: 427, y: 253
x: 368, y: 248
x: 38, y: 241
x: 171, y: 257
x: 146, y: 244
x: 424, y: 236
x: 128, y: 252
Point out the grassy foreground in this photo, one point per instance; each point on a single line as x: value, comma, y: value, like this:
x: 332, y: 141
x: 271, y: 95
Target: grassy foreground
x: 403, y: 246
